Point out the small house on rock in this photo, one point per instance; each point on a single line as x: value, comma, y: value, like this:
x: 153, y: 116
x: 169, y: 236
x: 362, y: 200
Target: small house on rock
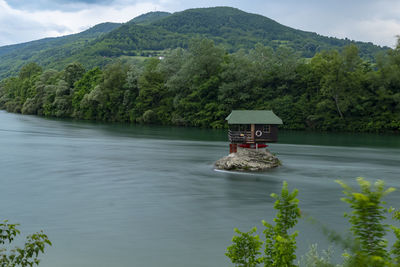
x: 252, y: 128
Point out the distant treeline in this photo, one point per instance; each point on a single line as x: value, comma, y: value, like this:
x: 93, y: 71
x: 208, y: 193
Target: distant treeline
x: 199, y: 86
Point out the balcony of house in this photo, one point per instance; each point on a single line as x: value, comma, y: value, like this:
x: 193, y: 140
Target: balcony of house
x: 240, y: 137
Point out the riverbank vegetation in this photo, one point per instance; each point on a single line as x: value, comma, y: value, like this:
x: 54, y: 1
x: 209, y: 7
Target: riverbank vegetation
x: 364, y: 245
x: 199, y: 86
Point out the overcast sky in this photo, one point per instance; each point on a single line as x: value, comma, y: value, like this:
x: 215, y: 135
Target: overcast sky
x: 376, y: 21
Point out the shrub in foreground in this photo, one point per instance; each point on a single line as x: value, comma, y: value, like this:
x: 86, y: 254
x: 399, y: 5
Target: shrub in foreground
x: 26, y: 256
x: 366, y: 246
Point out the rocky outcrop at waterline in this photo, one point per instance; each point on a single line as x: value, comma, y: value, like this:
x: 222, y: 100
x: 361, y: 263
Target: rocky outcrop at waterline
x: 248, y: 160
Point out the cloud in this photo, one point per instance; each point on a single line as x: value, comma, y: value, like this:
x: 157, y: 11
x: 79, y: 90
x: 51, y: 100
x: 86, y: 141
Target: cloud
x: 361, y: 20
x: 25, y: 25
x: 384, y: 30
x: 374, y: 21
x: 14, y: 25
x: 54, y: 4
x: 364, y: 20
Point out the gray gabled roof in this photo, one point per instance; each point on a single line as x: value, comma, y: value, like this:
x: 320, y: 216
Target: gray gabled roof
x: 253, y: 117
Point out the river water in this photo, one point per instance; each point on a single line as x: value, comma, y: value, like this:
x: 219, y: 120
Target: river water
x: 126, y: 195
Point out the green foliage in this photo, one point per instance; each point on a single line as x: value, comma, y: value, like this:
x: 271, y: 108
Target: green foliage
x: 82, y: 87
x: 340, y: 79
x: 367, y: 218
x: 245, y: 249
x: 73, y: 72
x: 280, y: 245
x: 153, y: 98
x: 111, y: 93
x: 149, y: 117
x: 396, y: 230
x: 366, y: 243
x: 26, y: 256
x: 195, y: 84
x: 29, y: 70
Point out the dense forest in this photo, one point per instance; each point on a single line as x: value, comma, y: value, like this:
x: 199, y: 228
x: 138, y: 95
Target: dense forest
x: 155, y: 33
x: 200, y: 85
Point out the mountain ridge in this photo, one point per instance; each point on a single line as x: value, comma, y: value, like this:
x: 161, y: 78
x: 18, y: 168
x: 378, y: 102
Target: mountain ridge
x: 149, y: 17
x: 153, y: 32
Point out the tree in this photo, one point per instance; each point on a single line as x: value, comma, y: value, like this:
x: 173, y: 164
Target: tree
x: 280, y: 245
x: 29, y: 70
x: 63, y: 100
x: 239, y: 77
x: 339, y: 76
x: 131, y: 92
x: 104, y: 100
x: 153, y: 95
x: 73, y: 72
x: 26, y: 256
x: 196, y: 83
x: 82, y: 87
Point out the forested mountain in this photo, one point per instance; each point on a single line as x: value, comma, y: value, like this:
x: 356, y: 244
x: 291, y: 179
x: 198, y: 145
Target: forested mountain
x: 155, y: 32
x: 229, y: 27
x: 237, y: 29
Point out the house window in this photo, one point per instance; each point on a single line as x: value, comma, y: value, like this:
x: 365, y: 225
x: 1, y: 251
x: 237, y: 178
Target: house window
x: 234, y: 127
x: 266, y: 128
x: 244, y: 127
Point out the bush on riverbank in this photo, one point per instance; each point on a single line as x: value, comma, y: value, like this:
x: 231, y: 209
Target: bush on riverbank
x: 365, y: 246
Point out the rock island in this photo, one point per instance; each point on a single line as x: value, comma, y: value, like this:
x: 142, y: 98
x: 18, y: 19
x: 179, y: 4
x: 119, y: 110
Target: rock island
x: 249, y: 132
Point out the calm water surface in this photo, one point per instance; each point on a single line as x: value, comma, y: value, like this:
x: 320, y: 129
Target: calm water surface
x: 123, y: 195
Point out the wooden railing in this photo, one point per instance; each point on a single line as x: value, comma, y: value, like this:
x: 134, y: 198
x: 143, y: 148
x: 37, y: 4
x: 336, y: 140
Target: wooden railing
x: 240, y: 136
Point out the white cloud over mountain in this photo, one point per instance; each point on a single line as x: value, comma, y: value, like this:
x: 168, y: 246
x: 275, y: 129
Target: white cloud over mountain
x: 21, y: 25
x: 363, y: 20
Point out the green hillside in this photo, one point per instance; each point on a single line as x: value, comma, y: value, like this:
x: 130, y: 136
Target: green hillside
x: 154, y: 32
x: 229, y: 27
x: 49, y: 50
x: 237, y: 29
